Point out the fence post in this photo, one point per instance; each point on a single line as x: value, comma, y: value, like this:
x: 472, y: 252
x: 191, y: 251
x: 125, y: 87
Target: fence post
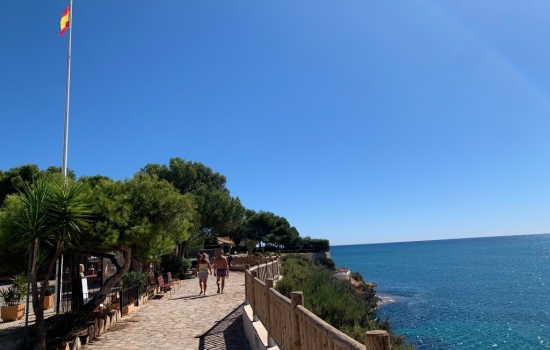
x: 247, y: 288
x: 296, y: 298
x: 377, y: 340
x: 121, y: 306
x: 253, y: 274
x: 268, y: 284
x: 139, y: 293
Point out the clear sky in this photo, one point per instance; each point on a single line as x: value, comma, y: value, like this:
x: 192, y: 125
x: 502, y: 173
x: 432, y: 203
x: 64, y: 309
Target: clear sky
x: 359, y: 121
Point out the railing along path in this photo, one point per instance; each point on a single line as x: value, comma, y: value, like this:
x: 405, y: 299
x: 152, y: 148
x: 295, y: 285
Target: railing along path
x: 288, y: 323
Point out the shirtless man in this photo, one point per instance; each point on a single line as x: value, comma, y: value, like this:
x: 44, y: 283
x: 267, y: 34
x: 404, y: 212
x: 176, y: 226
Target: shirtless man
x: 221, y: 270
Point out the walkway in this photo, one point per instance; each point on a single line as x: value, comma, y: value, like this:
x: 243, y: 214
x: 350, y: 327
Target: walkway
x: 183, y: 320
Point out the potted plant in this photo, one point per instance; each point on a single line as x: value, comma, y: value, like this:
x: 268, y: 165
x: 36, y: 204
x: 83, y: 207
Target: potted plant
x: 12, y: 298
x: 114, y: 305
x: 129, y: 308
x: 48, y: 298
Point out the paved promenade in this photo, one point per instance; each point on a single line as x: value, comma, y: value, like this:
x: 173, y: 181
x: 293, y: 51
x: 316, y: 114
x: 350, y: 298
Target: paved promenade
x: 183, y: 320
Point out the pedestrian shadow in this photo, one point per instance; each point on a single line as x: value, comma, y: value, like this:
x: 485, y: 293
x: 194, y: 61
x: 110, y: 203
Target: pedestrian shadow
x: 226, y: 334
x: 192, y: 297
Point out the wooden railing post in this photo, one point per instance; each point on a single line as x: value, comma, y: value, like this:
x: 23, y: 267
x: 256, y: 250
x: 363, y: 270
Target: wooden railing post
x: 248, y: 288
x: 377, y: 340
x: 268, y: 307
x: 296, y: 298
x: 252, y: 302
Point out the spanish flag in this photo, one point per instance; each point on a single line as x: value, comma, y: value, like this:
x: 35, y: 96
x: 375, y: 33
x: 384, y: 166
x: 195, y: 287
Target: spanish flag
x: 64, y: 23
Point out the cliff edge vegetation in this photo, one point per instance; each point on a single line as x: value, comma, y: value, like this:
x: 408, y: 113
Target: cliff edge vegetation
x: 337, y: 301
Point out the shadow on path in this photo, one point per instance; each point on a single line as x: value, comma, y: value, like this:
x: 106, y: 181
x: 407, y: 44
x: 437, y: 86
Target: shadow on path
x: 228, y: 333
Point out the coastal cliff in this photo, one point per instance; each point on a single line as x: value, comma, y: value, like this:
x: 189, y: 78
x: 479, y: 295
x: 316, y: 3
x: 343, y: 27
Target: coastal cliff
x: 348, y: 304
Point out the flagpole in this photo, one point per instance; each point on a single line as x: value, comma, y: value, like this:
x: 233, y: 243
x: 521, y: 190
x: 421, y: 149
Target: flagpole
x: 59, y: 266
x: 67, y: 92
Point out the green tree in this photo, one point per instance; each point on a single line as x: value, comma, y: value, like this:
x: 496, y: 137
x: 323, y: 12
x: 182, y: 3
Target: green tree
x: 272, y: 230
x: 218, y: 212
x: 44, y: 219
x: 13, y: 180
x: 143, y: 218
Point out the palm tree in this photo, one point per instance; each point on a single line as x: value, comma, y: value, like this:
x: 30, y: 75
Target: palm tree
x: 44, y: 218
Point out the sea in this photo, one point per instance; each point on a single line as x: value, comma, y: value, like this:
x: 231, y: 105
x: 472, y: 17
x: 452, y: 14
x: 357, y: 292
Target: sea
x: 476, y: 293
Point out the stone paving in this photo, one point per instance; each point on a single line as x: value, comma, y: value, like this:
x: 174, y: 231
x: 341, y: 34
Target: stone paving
x: 183, y: 320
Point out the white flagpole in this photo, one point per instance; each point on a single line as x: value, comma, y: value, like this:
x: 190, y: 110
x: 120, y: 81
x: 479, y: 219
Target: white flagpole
x: 59, y: 269
x: 67, y: 93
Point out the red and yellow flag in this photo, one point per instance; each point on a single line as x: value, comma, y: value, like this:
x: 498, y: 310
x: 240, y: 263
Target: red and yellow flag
x: 64, y: 24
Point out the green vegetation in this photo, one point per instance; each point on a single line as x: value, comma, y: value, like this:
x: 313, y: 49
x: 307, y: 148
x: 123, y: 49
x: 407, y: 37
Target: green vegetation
x: 42, y: 220
x: 16, y: 292
x: 162, y: 207
x: 357, y: 276
x: 335, y: 300
x: 135, y: 278
x: 172, y: 264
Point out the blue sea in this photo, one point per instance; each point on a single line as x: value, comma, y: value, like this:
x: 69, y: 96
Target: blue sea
x: 478, y: 293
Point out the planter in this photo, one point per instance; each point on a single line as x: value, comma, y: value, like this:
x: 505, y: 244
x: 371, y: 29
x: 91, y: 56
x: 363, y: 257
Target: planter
x: 115, y: 306
x: 128, y: 309
x: 12, y: 313
x: 48, y: 302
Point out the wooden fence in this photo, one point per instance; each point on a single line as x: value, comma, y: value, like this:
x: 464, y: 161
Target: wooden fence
x: 288, y: 322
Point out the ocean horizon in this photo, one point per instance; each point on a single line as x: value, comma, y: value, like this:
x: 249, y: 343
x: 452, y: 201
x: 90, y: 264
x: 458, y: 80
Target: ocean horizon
x: 464, y: 293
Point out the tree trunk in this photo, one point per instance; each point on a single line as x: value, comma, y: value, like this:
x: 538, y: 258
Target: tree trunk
x: 110, y: 283
x: 184, y: 246
x: 38, y: 299
x: 38, y: 311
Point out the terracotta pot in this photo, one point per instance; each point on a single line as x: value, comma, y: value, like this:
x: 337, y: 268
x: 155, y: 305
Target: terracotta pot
x: 12, y: 313
x: 128, y: 309
x: 48, y: 301
x: 115, y: 306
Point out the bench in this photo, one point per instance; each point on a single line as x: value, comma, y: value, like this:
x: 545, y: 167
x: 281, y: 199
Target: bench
x: 164, y: 287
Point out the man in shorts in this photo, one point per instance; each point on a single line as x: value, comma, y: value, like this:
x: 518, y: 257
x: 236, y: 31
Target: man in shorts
x: 221, y: 270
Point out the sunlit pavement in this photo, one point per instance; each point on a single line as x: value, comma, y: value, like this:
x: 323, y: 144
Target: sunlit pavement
x: 183, y: 320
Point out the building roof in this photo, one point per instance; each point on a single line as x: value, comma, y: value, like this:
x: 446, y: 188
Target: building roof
x: 225, y: 240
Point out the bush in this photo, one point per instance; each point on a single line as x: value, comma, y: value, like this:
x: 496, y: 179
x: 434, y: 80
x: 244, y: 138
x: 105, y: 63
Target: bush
x: 48, y: 289
x: 172, y: 264
x: 186, y: 264
x: 315, y: 244
x: 334, y: 300
x: 133, y: 278
x: 327, y: 262
x: 357, y: 276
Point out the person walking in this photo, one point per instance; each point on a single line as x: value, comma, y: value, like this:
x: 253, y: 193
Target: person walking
x: 221, y: 270
x: 199, y: 258
x: 203, y: 266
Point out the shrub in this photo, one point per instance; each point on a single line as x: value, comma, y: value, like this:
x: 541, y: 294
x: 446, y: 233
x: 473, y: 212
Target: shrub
x: 186, y: 264
x: 133, y: 278
x: 318, y: 245
x: 334, y: 300
x: 357, y: 276
x: 327, y: 262
x: 172, y: 264
x: 14, y: 294
x: 48, y: 289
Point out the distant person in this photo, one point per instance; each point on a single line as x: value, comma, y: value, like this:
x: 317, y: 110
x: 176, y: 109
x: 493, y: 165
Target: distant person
x: 221, y: 270
x: 203, y: 266
x: 229, y: 259
x: 199, y: 257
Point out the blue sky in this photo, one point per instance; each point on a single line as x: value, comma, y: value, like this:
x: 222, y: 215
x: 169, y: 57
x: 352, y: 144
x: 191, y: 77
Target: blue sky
x: 358, y: 121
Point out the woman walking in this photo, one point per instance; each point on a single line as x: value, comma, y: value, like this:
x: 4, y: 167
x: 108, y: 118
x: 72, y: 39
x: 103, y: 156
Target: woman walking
x: 203, y: 267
